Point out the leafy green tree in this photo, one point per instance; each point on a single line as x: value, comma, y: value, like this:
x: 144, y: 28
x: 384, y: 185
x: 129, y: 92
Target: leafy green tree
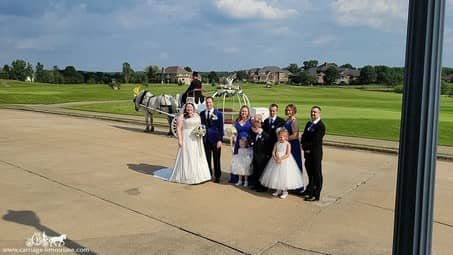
x: 293, y: 68
x: 6, y: 72
x: 368, y: 74
x: 212, y: 77
x: 310, y: 63
x: 57, y: 77
x: 188, y: 69
x: 242, y: 75
x: 151, y: 72
x: 39, y: 72
x: 71, y: 75
x: 18, y: 70
x: 303, y: 78
x: 332, y: 75
x: 127, y: 72
x: 347, y: 66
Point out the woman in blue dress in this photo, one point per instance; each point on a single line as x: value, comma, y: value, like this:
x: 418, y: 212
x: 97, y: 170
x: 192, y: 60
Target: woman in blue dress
x: 292, y: 125
x: 243, y: 126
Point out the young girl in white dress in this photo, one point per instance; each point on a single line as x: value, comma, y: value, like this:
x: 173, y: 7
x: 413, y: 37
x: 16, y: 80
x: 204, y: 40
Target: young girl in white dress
x: 241, y: 162
x: 282, y: 172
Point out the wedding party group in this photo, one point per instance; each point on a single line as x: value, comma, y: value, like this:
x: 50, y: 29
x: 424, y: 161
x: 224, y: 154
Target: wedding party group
x: 267, y: 153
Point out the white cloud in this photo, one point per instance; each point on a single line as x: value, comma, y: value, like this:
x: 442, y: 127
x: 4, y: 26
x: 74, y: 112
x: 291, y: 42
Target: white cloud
x: 382, y: 14
x: 153, y: 13
x: 252, y: 9
x: 323, y: 40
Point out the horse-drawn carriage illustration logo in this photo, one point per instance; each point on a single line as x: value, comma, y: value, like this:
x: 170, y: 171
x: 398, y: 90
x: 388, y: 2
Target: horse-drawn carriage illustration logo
x: 41, y: 239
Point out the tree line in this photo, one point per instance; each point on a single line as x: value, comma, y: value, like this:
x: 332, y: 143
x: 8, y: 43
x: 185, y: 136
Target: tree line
x: 380, y: 74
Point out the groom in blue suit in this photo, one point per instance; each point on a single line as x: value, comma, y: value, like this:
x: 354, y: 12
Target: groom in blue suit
x: 213, y: 120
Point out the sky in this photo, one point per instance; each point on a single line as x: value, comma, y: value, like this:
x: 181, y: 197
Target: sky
x: 207, y: 35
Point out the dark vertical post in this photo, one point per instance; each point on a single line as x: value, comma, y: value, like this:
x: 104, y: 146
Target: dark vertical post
x: 418, y: 137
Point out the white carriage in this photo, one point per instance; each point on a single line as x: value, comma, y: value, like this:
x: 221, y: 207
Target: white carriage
x: 228, y: 98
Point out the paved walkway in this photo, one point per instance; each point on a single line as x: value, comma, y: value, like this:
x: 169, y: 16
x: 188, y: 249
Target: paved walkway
x: 92, y: 180
x: 443, y: 152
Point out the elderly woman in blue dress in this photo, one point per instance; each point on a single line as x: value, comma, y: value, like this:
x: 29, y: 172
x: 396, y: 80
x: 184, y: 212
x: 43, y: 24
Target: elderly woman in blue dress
x: 243, y: 126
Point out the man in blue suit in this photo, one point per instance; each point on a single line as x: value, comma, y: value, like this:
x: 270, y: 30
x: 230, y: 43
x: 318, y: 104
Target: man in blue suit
x: 213, y: 120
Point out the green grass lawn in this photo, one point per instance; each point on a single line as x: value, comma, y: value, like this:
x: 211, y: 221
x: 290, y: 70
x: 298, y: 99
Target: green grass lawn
x: 346, y: 111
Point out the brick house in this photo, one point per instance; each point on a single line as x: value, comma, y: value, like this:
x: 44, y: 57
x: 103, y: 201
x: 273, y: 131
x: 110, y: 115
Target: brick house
x: 174, y: 74
x: 268, y: 74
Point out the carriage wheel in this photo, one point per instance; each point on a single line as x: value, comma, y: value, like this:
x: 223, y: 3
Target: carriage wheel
x: 173, y: 126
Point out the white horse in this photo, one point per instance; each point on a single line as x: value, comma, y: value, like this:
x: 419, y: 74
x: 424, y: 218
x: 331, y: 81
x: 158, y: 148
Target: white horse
x: 164, y: 103
x: 57, y: 240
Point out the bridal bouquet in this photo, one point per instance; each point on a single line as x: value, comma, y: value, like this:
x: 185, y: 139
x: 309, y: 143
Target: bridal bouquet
x: 199, y: 130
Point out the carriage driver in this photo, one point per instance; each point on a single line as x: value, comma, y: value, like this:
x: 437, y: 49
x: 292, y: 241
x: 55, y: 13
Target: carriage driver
x: 194, y: 90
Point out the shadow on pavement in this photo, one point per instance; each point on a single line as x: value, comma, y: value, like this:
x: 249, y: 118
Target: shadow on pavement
x: 145, y: 168
x: 29, y: 218
x: 141, y: 130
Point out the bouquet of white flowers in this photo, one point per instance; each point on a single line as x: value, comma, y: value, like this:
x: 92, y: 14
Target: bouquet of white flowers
x: 199, y: 131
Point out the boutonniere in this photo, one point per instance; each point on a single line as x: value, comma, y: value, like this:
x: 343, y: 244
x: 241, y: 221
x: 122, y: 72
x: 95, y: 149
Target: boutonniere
x: 273, y: 126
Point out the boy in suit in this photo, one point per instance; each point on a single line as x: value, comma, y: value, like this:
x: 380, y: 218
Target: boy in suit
x: 258, y: 140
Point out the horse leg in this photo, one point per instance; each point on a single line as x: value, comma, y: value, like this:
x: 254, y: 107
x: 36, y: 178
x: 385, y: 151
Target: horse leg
x: 146, y: 120
x: 151, y: 119
x: 170, y: 133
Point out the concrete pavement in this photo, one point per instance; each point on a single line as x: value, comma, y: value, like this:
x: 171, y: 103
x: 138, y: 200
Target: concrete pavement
x: 91, y: 180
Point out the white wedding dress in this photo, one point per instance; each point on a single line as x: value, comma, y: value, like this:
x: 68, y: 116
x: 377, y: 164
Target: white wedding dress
x: 191, y: 166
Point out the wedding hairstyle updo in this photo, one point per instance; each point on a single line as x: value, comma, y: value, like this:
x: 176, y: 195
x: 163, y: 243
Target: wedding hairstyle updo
x: 185, y: 113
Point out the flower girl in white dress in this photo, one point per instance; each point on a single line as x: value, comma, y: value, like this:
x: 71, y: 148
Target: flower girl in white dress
x: 241, y: 162
x: 282, y: 172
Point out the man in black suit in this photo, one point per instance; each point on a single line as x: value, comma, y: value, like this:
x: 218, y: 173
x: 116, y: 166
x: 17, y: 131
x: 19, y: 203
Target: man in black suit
x: 257, y: 139
x: 270, y: 125
x: 194, y: 90
x: 312, y: 145
x: 213, y: 120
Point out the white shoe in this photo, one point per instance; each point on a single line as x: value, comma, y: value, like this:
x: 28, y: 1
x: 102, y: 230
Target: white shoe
x: 246, y: 183
x: 276, y: 193
x: 284, y: 194
x: 239, y: 183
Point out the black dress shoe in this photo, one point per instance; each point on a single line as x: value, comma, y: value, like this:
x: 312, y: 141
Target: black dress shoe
x: 304, y: 193
x: 217, y: 180
x: 311, y: 198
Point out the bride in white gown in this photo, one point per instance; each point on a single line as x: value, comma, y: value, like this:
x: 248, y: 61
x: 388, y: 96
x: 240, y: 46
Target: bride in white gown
x: 191, y: 166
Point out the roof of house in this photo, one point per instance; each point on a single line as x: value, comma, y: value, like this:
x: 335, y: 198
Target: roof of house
x: 274, y: 69
x: 351, y: 72
x: 312, y: 71
x: 176, y: 69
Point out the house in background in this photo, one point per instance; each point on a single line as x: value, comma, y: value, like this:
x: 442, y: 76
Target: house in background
x: 268, y: 74
x: 174, y: 74
x: 347, y: 75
